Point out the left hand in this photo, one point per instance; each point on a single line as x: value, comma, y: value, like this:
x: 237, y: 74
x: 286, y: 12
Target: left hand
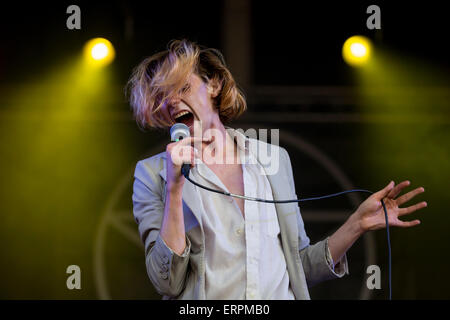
x: 370, y: 213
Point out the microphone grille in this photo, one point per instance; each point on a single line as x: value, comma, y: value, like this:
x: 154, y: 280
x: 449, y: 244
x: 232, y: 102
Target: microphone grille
x: 179, y: 131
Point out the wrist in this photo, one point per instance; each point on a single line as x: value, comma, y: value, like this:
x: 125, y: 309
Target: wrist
x: 356, y: 225
x: 175, y: 188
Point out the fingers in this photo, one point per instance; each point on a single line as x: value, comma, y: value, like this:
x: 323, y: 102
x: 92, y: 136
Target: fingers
x: 397, y: 189
x: 182, y: 151
x: 190, y: 140
x: 408, y: 196
x: 384, y: 192
x: 182, y: 154
x: 407, y: 224
x: 411, y: 209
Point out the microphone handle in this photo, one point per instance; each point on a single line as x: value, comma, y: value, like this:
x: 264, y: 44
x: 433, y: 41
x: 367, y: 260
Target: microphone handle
x: 185, y: 169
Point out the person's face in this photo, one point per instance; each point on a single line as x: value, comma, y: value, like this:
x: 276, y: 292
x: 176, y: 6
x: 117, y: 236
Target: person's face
x: 194, y: 105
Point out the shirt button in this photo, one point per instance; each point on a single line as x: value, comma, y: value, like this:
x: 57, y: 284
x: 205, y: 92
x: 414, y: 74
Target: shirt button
x: 239, y: 231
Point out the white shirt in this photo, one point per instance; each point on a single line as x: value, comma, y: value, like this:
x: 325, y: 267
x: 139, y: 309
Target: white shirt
x: 243, y: 256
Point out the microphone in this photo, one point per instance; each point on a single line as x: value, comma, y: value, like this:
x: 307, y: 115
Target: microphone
x: 177, y: 132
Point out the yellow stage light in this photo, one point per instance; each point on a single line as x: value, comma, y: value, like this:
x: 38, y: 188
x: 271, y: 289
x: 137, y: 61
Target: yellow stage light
x: 99, y: 52
x: 357, y: 50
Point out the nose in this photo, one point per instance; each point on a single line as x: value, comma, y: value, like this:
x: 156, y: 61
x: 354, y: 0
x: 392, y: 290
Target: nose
x: 175, y: 101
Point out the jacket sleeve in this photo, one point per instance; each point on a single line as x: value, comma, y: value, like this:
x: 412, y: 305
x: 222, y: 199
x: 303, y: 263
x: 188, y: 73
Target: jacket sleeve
x: 316, y: 259
x: 166, y: 269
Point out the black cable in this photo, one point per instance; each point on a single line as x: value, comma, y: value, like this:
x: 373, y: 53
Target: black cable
x: 185, y: 171
x: 389, y: 249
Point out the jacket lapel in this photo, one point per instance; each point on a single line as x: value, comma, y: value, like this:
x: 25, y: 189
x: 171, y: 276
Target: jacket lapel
x: 286, y: 212
x: 287, y: 220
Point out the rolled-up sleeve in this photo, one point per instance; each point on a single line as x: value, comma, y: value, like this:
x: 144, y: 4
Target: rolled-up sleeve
x: 166, y: 269
x: 340, y: 268
x: 316, y: 265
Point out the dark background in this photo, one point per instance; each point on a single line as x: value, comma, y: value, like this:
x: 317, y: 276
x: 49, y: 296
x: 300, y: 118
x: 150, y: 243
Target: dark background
x: 66, y: 173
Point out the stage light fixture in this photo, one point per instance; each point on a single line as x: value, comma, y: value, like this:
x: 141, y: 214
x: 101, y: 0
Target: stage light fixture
x: 357, y: 50
x: 99, y: 52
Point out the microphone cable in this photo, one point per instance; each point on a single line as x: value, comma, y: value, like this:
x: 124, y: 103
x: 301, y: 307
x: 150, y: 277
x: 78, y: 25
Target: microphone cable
x: 185, y: 171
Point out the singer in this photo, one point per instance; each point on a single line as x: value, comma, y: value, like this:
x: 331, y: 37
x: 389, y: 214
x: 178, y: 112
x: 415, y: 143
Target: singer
x: 203, y: 245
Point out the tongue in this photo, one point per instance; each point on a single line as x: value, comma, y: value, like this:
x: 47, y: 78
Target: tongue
x: 187, y: 119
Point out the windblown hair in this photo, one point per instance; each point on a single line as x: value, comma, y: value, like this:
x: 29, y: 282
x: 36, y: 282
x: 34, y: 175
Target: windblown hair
x: 157, y: 79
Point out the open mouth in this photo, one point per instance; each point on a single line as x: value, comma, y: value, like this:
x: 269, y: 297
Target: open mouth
x: 185, y: 117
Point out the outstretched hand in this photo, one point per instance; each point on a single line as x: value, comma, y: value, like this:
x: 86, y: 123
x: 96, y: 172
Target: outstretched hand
x: 370, y: 213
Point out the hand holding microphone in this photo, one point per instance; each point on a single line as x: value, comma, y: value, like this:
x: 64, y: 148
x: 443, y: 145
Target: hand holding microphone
x: 180, y: 155
x: 178, y: 152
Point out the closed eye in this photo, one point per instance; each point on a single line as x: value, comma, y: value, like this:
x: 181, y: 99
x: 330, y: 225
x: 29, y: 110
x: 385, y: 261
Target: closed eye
x: 185, y: 89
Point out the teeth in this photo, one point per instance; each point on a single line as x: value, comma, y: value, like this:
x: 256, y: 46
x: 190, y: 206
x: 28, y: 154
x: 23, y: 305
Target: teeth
x: 181, y: 114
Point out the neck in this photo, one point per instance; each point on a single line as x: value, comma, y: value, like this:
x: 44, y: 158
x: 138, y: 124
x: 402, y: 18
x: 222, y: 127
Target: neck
x: 223, y: 148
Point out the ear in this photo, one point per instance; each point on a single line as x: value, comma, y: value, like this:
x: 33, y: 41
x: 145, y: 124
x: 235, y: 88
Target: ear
x: 214, y: 87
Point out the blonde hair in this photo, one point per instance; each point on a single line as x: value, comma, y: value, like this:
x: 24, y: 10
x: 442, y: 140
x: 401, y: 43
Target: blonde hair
x: 157, y: 79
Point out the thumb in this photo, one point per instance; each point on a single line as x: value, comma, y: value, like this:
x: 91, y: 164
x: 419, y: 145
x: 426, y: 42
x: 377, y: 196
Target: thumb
x: 384, y: 192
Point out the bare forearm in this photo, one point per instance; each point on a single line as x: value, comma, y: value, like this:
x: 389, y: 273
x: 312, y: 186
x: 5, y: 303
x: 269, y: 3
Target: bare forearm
x: 172, y: 227
x: 344, y: 238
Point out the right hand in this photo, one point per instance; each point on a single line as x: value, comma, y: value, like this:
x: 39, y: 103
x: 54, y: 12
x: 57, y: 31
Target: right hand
x: 177, y: 154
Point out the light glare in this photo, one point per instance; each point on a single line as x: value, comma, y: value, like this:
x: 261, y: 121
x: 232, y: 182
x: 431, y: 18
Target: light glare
x: 356, y: 50
x: 99, y: 52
